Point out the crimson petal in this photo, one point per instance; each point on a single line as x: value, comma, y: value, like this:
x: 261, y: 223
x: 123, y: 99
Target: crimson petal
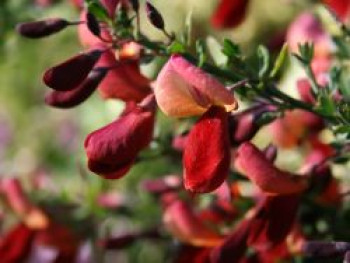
x: 207, y: 154
x: 112, y: 149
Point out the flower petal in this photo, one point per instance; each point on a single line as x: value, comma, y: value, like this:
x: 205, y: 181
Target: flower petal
x: 125, y: 81
x: 112, y: 149
x: 183, y: 90
x: 206, y: 157
x: 181, y: 221
x: 254, y: 164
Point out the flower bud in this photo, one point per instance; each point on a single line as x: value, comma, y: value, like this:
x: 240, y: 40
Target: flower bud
x: 93, y: 24
x: 42, y: 28
x: 72, y: 98
x: 71, y: 73
x: 154, y: 16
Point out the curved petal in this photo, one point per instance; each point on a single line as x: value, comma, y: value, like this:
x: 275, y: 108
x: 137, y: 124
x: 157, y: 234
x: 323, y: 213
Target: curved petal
x: 261, y: 172
x: 206, y: 157
x: 112, y: 149
x: 183, y: 89
x: 188, y: 227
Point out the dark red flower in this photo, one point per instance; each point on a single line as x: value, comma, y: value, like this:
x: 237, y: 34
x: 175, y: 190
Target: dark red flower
x: 206, y: 157
x: 229, y: 13
x: 113, y: 149
x: 71, y: 73
x: 42, y: 28
x: 71, y: 98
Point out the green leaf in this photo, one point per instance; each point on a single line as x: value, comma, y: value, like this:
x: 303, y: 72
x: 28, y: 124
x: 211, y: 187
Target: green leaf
x: 280, y: 61
x: 200, y: 49
x: 264, y: 61
x: 326, y: 104
x: 95, y: 8
x: 231, y: 49
x: 215, y: 51
x: 176, y: 47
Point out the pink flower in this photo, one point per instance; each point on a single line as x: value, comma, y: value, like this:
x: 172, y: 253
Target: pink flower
x: 183, y: 89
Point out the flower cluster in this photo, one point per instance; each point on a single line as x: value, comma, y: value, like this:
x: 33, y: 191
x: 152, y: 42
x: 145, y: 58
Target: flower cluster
x: 218, y: 154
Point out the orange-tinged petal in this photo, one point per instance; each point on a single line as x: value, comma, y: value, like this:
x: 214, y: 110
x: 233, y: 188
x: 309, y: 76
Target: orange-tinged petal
x: 181, y: 221
x: 183, y: 89
x: 253, y: 164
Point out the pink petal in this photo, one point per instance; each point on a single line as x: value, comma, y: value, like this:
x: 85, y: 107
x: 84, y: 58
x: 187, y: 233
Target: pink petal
x: 183, y: 90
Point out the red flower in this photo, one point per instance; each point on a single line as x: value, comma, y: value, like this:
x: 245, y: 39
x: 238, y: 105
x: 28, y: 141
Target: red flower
x: 113, y: 149
x: 206, y: 157
x: 229, y: 13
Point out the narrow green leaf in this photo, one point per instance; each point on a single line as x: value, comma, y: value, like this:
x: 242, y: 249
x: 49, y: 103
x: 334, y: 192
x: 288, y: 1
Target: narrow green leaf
x: 280, y: 61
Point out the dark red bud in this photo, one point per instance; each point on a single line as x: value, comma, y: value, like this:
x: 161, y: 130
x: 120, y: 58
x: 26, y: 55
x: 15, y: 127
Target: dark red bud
x: 93, y: 24
x: 41, y: 28
x: 71, y: 73
x: 72, y: 98
x: 154, y: 16
x: 135, y: 5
